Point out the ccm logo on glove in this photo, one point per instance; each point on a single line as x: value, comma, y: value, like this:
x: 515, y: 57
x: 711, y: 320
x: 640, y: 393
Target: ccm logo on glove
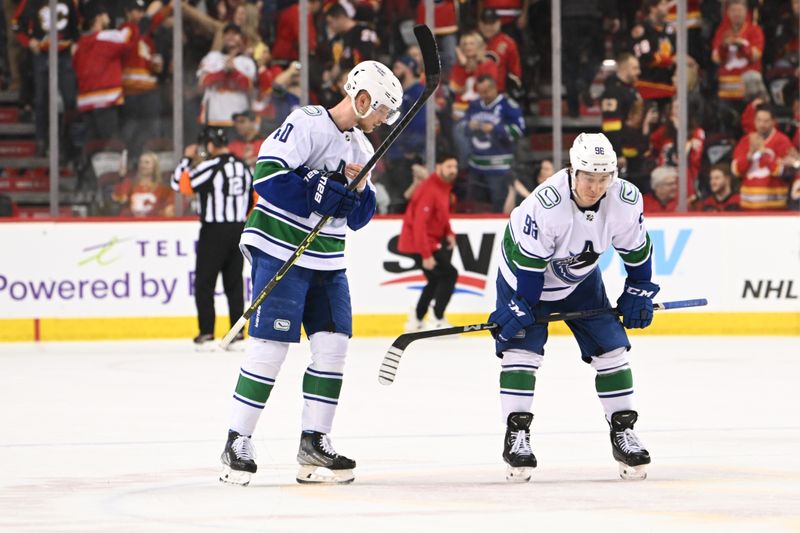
x: 640, y: 292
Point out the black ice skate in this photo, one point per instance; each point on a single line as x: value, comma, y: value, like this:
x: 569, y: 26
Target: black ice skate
x: 238, y: 460
x: 316, y: 451
x: 628, y: 450
x: 517, y: 448
x: 204, y: 343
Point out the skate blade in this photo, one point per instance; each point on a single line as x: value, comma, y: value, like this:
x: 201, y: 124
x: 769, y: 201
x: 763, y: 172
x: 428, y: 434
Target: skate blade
x: 632, y: 473
x: 319, y: 474
x: 234, y: 477
x: 519, y: 474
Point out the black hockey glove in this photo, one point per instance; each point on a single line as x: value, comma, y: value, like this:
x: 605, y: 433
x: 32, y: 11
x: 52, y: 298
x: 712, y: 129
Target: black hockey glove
x: 636, y: 303
x: 327, y: 193
x: 511, y: 319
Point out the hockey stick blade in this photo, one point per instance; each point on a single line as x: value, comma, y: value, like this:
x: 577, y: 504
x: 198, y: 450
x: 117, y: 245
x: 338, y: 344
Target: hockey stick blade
x: 430, y: 57
x: 391, y: 361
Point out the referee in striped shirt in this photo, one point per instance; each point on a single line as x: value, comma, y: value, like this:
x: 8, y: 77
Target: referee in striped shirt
x: 223, y: 184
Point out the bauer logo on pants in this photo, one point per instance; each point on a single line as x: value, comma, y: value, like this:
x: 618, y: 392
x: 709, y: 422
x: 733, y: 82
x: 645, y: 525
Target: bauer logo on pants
x: 281, y: 324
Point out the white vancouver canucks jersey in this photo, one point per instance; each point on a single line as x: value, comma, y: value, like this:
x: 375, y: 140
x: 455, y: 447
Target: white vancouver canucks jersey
x: 308, y: 137
x: 549, y: 233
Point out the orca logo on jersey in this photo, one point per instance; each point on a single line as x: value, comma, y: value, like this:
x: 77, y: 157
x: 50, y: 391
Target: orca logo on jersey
x: 564, y: 268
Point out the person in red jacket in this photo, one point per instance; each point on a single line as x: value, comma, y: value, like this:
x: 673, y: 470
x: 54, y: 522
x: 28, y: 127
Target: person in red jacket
x: 427, y: 233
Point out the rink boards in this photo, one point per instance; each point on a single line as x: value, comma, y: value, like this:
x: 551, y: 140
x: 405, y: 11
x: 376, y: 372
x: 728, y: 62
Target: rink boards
x: 133, y: 279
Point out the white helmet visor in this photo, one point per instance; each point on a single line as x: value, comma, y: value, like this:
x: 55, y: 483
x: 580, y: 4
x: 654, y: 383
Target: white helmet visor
x: 389, y: 114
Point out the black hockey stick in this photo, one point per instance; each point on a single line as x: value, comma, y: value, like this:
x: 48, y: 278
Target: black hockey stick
x: 391, y: 360
x: 430, y: 57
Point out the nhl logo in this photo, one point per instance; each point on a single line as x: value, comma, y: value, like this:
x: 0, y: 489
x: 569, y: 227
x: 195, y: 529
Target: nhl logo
x: 589, y: 215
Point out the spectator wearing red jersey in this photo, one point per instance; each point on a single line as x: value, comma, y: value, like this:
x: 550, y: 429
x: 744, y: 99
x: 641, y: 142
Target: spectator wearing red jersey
x: 247, y: 141
x: 445, y: 28
x: 427, y: 234
x: 736, y: 48
x: 504, y: 50
x: 722, y: 197
x: 98, y: 66
x: 144, y: 194
x: 759, y: 160
x: 663, y: 198
x: 654, y: 45
x: 287, y: 33
x: 141, y: 66
x: 664, y: 151
x: 227, y: 77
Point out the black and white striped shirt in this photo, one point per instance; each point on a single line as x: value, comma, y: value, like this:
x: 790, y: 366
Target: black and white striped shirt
x: 224, y: 185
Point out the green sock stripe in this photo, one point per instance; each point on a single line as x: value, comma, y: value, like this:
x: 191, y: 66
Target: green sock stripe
x: 517, y: 380
x: 621, y: 380
x: 319, y: 386
x: 253, y: 390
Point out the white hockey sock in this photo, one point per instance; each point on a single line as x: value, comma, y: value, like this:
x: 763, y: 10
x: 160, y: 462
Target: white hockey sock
x: 614, y: 381
x: 263, y: 360
x: 518, y: 381
x: 322, y: 382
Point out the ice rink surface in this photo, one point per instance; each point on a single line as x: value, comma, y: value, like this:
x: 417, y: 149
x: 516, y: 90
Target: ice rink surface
x: 126, y: 436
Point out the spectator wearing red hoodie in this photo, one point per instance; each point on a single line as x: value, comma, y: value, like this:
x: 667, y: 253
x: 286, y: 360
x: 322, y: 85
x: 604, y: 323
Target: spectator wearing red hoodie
x: 427, y: 234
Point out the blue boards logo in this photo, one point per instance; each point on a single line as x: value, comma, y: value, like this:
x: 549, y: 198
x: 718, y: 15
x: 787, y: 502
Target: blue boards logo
x: 666, y: 254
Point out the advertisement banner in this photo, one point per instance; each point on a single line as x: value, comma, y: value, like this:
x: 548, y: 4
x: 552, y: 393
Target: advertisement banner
x: 146, y: 269
x: 737, y: 263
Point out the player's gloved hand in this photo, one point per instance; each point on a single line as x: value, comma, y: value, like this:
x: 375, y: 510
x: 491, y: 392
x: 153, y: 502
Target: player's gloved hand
x: 636, y: 303
x: 327, y: 193
x: 511, y: 318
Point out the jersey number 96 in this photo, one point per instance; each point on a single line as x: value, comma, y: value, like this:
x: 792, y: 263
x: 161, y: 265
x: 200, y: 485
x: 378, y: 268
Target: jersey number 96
x: 530, y: 227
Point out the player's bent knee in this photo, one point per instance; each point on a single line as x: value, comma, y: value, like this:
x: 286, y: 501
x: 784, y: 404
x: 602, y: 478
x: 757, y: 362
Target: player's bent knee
x: 611, y: 361
x: 524, y: 358
x: 266, y: 350
x: 328, y: 350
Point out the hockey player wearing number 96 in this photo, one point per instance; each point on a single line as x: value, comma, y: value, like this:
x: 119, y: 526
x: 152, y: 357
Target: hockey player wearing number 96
x: 550, y: 258
x: 301, y: 175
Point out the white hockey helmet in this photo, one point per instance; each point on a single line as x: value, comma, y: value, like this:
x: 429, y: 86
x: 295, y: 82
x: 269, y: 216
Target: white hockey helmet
x: 592, y: 152
x: 383, y: 87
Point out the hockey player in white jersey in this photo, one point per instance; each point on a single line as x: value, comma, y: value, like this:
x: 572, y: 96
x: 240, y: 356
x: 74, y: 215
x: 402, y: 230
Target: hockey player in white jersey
x: 301, y: 175
x: 549, y: 264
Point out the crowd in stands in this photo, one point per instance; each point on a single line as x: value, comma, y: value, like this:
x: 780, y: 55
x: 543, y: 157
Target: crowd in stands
x: 242, y: 72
